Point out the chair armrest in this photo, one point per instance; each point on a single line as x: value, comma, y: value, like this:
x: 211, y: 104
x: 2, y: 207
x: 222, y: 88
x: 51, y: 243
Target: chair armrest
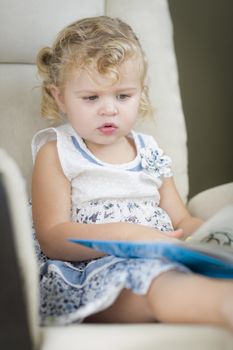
x: 207, y: 203
x: 22, y: 282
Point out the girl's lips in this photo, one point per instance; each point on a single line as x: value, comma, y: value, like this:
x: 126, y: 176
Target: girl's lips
x: 108, y: 128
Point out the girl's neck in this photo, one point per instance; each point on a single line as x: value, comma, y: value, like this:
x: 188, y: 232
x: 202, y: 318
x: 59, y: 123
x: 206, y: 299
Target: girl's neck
x: 121, y: 152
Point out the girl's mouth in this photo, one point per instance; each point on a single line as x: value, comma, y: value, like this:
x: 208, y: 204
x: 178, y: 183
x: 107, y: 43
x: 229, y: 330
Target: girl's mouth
x: 108, y: 128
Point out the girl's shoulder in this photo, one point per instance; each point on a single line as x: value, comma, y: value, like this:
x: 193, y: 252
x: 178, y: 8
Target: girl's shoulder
x: 44, y: 136
x: 58, y: 140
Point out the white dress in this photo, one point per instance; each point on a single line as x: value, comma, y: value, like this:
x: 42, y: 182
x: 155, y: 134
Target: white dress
x: 103, y: 193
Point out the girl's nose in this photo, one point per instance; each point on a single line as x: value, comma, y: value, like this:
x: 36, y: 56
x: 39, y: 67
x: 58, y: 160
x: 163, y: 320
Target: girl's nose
x: 108, y: 107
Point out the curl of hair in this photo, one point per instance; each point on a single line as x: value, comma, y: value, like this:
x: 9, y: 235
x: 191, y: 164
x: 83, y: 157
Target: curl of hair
x: 145, y: 107
x: 45, y: 65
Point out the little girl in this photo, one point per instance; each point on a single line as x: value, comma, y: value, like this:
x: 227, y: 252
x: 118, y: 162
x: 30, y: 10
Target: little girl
x: 96, y: 178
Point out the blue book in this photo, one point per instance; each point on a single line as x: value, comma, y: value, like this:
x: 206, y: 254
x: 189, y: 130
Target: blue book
x: 209, y: 251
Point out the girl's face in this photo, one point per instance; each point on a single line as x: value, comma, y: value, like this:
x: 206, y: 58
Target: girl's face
x: 101, y: 112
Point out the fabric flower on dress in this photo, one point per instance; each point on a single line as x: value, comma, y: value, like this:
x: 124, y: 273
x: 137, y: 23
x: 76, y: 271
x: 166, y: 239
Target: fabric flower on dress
x: 155, y: 163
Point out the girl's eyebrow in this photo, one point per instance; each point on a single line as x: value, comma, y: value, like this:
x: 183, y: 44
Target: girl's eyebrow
x: 85, y: 92
x: 97, y: 91
x: 127, y: 89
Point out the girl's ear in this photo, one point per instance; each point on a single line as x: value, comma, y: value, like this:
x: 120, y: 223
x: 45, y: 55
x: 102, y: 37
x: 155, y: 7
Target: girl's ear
x: 58, y: 97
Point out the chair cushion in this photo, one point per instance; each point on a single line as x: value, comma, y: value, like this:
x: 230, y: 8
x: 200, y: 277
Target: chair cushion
x: 136, y: 337
x: 208, y: 202
x: 20, y: 113
x: 29, y: 25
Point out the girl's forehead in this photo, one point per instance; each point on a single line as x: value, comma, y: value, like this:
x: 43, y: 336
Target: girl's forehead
x: 129, y: 74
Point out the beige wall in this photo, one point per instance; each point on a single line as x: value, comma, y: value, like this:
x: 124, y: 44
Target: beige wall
x: 203, y: 33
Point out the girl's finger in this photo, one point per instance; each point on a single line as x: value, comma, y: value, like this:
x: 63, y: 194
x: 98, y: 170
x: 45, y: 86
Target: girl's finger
x: 176, y: 233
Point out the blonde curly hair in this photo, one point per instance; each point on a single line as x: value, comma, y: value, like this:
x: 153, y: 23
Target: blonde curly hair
x: 102, y: 43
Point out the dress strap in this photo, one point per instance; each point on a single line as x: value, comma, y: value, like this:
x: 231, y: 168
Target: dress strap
x: 141, y: 140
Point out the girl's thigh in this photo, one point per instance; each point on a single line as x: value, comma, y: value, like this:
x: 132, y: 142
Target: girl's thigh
x: 128, y: 308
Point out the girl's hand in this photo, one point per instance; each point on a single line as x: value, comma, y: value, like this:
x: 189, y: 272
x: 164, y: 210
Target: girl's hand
x: 179, y: 233
x: 142, y: 233
x: 172, y: 236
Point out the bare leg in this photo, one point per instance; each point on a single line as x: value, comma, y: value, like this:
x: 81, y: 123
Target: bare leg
x: 182, y: 298
x: 174, y: 297
x: 128, y: 308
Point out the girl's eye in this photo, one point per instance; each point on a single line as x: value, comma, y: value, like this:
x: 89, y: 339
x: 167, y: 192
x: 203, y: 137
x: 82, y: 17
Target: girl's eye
x: 123, y: 97
x: 90, y: 98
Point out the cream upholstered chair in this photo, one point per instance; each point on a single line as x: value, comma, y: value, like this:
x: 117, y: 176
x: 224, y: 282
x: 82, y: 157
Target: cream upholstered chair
x: 25, y: 27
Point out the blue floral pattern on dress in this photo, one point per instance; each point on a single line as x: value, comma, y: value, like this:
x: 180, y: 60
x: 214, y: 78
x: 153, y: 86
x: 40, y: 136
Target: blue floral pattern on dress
x: 136, y: 211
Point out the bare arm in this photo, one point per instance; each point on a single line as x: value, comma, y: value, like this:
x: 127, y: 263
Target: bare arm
x: 51, y: 203
x: 174, y: 206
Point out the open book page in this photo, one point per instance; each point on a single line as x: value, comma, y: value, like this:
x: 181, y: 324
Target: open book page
x: 217, y: 230
x: 216, y: 234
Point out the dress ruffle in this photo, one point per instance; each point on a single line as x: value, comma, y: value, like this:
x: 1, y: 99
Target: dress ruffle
x: 71, y: 292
